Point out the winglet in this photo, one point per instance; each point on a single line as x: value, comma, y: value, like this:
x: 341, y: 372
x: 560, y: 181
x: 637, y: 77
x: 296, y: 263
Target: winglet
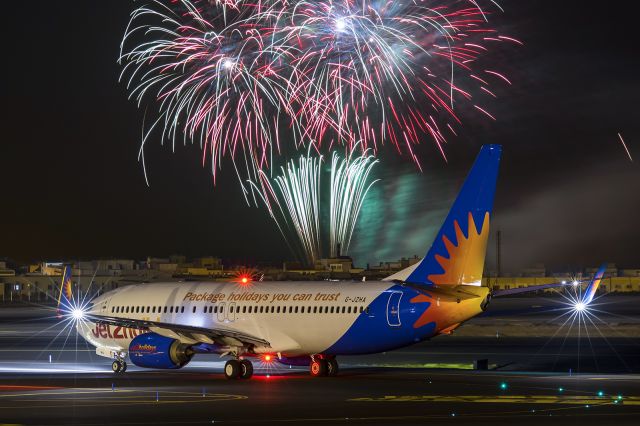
x: 590, y: 292
x: 66, y: 294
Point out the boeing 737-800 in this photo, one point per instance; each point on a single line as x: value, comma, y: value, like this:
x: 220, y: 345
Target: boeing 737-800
x: 163, y: 325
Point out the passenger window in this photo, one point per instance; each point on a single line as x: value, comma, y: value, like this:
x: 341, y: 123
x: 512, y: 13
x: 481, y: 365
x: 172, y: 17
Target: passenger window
x: 344, y: 309
x: 165, y: 309
x: 182, y: 310
x: 244, y: 309
x: 171, y: 310
x: 302, y: 309
x: 221, y: 309
x: 113, y: 309
x: 295, y: 309
x: 153, y: 311
x: 194, y: 309
x: 261, y: 309
x: 332, y: 309
x: 148, y: 309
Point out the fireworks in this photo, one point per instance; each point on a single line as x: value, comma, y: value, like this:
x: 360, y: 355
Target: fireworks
x: 294, y: 200
x: 232, y: 75
x: 252, y: 80
x: 349, y: 187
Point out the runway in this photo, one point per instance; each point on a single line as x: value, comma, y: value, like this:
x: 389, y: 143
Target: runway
x: 49, y: 377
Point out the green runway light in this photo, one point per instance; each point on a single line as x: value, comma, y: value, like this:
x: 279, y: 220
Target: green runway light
x: 619, y: 397
x: 503, y: 385
x: 560, y: 389
x: 600, y: 393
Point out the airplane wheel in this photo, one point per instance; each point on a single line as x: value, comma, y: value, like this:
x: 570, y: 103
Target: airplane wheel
x: 232, y: 369
x: 332, y: 367
x: 246, y: 368
x: 118, y: 366
x: 318, y: 368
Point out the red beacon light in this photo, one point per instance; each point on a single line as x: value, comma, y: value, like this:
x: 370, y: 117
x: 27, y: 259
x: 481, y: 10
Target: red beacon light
x: 268, y: 358
x: 243, y: 280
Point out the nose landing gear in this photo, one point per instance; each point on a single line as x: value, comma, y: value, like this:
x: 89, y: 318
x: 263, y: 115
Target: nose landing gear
x: 119, y: 366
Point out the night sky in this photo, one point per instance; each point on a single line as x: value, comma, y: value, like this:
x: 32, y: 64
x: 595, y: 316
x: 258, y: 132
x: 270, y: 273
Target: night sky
x: 72, y: 186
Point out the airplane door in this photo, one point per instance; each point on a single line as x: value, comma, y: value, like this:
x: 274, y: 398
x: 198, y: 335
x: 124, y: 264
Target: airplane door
x: 232, y: 311
x: 221, y: 311
x: 393, y: 309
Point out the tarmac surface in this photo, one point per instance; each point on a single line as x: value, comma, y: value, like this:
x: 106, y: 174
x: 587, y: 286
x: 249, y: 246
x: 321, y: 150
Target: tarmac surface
x: 582, y: 373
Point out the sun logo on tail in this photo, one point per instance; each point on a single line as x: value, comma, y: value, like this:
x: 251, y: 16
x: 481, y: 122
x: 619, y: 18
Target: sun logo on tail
x: 465, y: 262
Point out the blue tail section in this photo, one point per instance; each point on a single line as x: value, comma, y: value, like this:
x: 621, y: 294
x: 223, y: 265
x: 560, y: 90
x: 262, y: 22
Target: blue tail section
x: 590, y: 292
x: 457, y: 254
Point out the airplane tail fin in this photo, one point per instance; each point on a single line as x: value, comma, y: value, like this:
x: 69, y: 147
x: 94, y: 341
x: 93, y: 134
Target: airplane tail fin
x: 457, y: 255
x: 590, y: 292
x: 66, y: 294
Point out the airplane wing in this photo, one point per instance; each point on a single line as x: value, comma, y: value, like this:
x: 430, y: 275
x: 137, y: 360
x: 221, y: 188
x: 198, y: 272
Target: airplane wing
x: 460, y: 292
x: 185, y: 333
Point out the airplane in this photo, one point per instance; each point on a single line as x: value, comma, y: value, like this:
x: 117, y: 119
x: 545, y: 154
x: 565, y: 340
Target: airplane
x: 163, y: 325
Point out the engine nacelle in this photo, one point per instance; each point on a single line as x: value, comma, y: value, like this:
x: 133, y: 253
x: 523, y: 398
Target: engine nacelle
x: 151, y: 350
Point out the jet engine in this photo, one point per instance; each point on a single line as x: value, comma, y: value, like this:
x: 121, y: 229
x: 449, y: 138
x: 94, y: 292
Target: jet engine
x: 151, y: 350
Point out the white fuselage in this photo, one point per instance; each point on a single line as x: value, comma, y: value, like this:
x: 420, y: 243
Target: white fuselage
x: 296, y: 318
x: 286, y: 318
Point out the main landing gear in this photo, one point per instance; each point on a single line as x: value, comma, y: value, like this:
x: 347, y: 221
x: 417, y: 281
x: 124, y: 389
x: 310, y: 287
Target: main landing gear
x: 119, y: 366
x: 323, y: 367
x: 238, y: 369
